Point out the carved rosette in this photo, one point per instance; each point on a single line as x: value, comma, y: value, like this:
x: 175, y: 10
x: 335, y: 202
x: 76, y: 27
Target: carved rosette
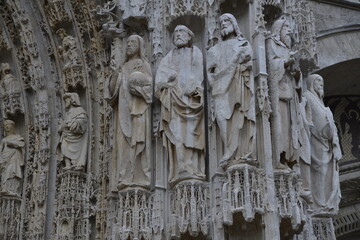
x: 323, y: 228
x: 134, y: 215
x: 243, y: 192
x: 190, y: 208
x: 290, y: 204
x: 10, y: 216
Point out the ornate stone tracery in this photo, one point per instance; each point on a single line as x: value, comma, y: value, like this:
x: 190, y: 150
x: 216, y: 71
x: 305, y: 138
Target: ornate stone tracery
x: 180, y: 168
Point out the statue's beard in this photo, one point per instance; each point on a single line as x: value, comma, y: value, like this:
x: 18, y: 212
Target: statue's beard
x: 130, y: 51
x: 226, y: 31
x: 320, y: 93
x: 180, y: 42
x: 286, y: 40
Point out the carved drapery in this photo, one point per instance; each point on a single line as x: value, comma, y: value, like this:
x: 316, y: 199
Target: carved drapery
x: 85, y: 205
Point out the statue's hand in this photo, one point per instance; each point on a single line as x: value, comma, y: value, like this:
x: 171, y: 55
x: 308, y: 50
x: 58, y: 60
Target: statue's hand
x: 247, y: 58
x: 289, y: 62
x: 195, y: 93
x: 113, y: 65
x: 172, y: 79
x: 236, y: 56
x: 297, y: 73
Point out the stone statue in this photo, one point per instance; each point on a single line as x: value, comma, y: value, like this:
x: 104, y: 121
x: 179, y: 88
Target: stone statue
x: 229, y: 71
x: 178, y: 85
x: 9, y: 83
x: 11, y: 160
x: 325, y: 149
x: 285, y: 83
x: 69, y: 49
x: 10, y: 91
x: 130, y: 93
x: 74, y: 133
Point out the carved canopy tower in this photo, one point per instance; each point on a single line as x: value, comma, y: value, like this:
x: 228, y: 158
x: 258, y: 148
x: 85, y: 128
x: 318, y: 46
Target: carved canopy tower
x: 160, y: 120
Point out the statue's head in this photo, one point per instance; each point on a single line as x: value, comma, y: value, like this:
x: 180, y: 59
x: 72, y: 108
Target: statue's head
x: 316, y: 85
x: 135, y: 46
x: 281, y: 30
x: 229, y: 26
x: 71, y: 99
x: 182, y: 36
x: 9, y: 127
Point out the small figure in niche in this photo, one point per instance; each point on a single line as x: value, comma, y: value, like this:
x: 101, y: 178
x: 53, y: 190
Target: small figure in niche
x: 11, y: 160
x: 74, y: 135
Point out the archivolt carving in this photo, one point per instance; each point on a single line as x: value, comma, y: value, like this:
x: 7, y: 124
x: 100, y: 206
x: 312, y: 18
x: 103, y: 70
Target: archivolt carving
x: 82, y: 46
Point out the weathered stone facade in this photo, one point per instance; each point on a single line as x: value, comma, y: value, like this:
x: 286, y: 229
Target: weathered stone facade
x: 179, y: 119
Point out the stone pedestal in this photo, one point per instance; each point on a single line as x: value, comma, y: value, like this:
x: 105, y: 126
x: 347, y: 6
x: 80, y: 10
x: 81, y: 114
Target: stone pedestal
x: 10, y: 216
x: 190, y: 209
x: 72, y: 201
